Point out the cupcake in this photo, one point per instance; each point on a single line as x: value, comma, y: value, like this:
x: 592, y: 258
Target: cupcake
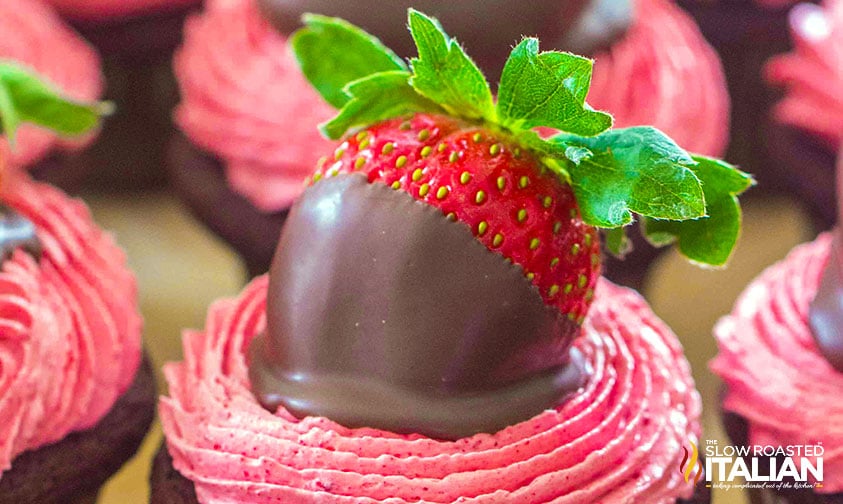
x: 220, y: 175
x: 434, y: 327
x: 781, y: 360
x: 35, y: 37
x: 76, y: 394
x: 136, y: 39
x: 806, y: 128
x: 779, y: 375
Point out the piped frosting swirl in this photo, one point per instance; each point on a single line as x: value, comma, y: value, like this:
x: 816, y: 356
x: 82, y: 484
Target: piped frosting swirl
x: 245, y: 100
x: 618, y: 440
x: 776, y: 377
x: 69, y: 326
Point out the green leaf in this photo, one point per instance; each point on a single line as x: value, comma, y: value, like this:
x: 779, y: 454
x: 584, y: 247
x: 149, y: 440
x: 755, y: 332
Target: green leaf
x: 24, y: 97
x: 632, y: 170
x: 617, y: 243
x: 332, y: 53
x: 709, y: 240
x: 548, y: 89
x: 376, y: 98
x: 444, y: 74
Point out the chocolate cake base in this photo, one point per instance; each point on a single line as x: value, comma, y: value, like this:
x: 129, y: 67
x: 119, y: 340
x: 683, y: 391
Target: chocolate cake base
x: 199, y: 179
x: 168, y: 486
x: 62, y: 170
x: 738, y: 431
x: 73, y: 469
x: 746, y: 35
x: 129, y: 153
x: 806, y: 165
x: 631, y: 271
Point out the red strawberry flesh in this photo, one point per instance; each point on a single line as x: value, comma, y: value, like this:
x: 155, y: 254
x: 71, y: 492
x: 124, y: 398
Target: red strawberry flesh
x: 482, y: 179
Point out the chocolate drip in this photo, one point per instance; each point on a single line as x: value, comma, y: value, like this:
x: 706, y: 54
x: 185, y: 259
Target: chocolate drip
x: 16, y: 231
x: 487, y: 28
x: 826, y: 311
x: 382, y: 313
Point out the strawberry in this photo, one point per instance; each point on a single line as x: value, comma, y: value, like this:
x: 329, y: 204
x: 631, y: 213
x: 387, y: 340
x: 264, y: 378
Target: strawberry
x: 486, y: 181
x: 434, y: 130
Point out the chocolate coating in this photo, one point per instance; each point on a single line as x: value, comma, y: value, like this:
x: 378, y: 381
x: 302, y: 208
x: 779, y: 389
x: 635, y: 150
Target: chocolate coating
x: 487, y: 28
x: 826, y: 311
x: 382, y: 313
x: 17, y: 232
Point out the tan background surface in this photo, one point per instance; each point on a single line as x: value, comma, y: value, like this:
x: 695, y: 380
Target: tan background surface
x: 181, y: 268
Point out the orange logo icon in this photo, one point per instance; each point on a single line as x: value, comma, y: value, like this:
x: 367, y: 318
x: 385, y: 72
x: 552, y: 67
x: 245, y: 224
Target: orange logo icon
x: 689, y: 463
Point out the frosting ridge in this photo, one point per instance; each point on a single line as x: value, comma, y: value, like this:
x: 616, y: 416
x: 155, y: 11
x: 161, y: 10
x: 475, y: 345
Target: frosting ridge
x: 776, y: 377
x: 69, y: 326
x: 620, y: 436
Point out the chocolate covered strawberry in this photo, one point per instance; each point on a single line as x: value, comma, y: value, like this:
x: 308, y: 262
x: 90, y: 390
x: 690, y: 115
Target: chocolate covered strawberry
x: 434, y: 275
x: 434, y: 131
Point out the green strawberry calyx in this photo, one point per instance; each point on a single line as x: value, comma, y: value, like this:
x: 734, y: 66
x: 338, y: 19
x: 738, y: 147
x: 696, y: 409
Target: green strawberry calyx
x: 26, y: 98
x: 614, y: 173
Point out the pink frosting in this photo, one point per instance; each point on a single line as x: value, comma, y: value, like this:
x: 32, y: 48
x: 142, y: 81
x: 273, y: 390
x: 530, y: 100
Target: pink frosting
x: 813, y: 74
x: 776, y: 377
x: 33, y: 35
x: 663, y: 73
x: 109, y: 9
x: 619, y: 439
x: 69, y: 326
x: 245, y: 100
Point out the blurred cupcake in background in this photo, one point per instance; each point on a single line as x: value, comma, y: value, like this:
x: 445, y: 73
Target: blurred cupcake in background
x: 76, y: 393
x: 136, y: 39
x: 780, y: 389
x: 781, y: 360
x: 806, y: 127
x: 36, y: 38
x: 249, y: 120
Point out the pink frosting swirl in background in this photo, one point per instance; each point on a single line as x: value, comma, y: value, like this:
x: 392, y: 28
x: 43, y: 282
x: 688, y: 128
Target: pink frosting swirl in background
x: 775, y: 376
x: 813, y: 72
x: 69, y: 326
x: 663, y: 73
x: 34, y: 36
x: 110, y: 9
x: 619, y: 439
x: 244, y: 99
